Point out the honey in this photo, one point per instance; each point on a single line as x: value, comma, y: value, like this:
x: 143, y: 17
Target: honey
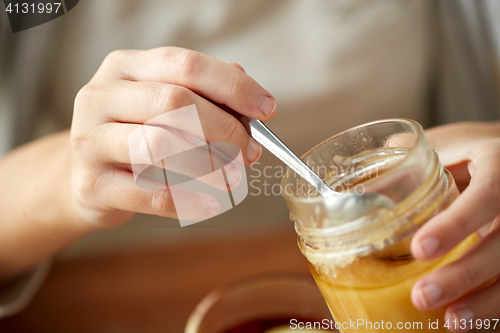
x: 376, y: 303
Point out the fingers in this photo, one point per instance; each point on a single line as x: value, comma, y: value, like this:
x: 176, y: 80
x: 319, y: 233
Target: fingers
x: 453, y: 148
x: 481, y: 308
x: 211, y: 78
x: 142, y: 102
x: 119, y: 191
x: 142, y: 146
x: 452, y: 281
x: 453, y: 142
x: 133, y: 88
x: 477, y: 205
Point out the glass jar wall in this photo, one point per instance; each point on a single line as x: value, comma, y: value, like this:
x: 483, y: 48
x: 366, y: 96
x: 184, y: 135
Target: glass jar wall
x: 364, y: 267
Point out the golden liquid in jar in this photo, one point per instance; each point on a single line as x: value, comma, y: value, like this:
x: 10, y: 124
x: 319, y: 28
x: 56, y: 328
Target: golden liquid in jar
x: 376, y: 287
x: 365, y: 298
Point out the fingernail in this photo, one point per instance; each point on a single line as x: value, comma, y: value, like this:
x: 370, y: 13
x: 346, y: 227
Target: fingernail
x: 465, y: 314
x: 427, y: 247
x: 213, y: 206
x: 429, y: 295
x: 267, y: 105
x: 253, y: 151
x: 233, y: 175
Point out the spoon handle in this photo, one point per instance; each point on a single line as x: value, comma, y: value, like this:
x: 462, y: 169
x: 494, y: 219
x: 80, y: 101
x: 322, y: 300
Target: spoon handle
x: 270, y: 141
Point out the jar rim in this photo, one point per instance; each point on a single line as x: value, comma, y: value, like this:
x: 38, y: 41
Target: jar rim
x: 412, y: 123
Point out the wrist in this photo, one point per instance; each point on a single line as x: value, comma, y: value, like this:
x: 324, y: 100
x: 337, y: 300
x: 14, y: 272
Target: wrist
x: 38, y: 218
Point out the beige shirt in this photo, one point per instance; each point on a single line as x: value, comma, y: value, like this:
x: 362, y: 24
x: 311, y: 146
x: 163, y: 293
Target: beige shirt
x: 340, y: 62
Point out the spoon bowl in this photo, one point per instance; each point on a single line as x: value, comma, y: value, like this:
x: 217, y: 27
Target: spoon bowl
x: 349, y: 205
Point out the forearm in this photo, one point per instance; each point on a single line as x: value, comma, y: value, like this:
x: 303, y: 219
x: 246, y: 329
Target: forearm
x: 37, y: 218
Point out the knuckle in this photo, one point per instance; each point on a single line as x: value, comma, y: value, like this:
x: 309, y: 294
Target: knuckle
x: 494, y: 180
x: 235, y: 82
x: 169, y: 99
x: 119, y: 60
x: 237, y: 65
x: 159, y: 99
x: 161, y: 203
x: 462, y: 227
x: 488, y: 152
x: 186, y: 62
x: 467, y: 277
x: 157, y: 137
x: 82, y: 137
x: 86, y: 97
x: 491, y: 191
x: 230, y: 128
x: 87, y: 184
x: 484, y: 190
x: 89, y: 105
x: 84, y: 188
x: 178, y: 97
x: 77, y: 141
x: 116, y: 56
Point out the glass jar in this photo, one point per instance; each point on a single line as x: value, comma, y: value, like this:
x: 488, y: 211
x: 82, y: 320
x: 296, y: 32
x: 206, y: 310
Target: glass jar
x: 364, y: 267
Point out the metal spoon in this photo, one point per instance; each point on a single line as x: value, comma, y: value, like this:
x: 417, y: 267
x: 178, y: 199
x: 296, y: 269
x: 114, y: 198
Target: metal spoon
x: 349, y: 205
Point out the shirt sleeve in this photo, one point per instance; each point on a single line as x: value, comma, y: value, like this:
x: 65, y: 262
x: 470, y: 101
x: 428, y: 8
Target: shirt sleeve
x: 16, y: 295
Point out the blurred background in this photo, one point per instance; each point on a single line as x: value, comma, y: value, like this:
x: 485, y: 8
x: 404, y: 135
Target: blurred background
x: 331, y: 65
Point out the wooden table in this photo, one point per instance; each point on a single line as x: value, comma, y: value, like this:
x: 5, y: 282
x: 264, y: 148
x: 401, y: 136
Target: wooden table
x: 150, y: 290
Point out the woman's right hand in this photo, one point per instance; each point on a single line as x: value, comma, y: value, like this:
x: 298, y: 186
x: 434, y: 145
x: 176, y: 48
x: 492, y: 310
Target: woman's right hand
x: 129, y: 89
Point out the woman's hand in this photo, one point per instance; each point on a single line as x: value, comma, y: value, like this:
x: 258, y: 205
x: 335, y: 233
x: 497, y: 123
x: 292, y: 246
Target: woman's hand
x: 61, y: 187
x: 471, y: 152
x: 133, y: 87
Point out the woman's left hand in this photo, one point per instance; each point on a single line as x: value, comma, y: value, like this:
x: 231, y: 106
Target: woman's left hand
x: 471, y: 152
